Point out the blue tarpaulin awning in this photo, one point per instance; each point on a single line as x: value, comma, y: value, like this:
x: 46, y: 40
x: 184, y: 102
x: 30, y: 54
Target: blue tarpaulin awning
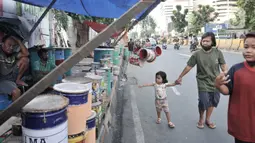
x: 97, y: 8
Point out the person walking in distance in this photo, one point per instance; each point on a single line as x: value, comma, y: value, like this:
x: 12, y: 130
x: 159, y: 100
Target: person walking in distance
x: 209, y: 60
x: 239, y: 84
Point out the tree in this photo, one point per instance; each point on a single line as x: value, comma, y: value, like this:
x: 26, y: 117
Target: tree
x: 201, y: 17
x: 179, y: 19
x: 249, y: 14
x: 134, y: 35
x: 148, y: 26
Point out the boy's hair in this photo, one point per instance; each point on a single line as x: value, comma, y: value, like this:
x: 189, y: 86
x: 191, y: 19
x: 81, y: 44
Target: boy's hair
x: 163, y: 76
x: 249, y: 35
x: 209, y: 34
x: 41, y: 51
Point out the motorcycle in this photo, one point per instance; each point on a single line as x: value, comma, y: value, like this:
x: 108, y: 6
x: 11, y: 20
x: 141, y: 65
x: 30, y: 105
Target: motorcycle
x: 164, y: 46
x: 176, y: 46
x: 193, y: 47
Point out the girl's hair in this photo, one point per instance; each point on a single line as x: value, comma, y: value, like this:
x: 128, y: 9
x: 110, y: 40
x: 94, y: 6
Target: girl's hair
x: 209, y: 34
x: 162, y: 75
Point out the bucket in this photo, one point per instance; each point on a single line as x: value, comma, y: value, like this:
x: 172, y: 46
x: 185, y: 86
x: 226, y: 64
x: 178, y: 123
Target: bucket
x: 99, y: 53
x: 97, y: 107
x: 67, y: 54
x: 78, y: 138
x: 96, y: 83
x: 148, y: 55
x: 77, y: 109
x: 59, y: 56
x: 82, y: 80
x: 91, y: 128
x: 136, y: 61
x: 158, y: 51
x: 44, y: 120
x: 5, y: 101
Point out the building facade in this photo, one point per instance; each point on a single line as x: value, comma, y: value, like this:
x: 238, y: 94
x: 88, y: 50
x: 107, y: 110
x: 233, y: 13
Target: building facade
x: 225, y: 8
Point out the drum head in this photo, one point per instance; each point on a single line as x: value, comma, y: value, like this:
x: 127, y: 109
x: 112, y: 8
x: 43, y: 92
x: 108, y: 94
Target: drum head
x: 92, y: 115
x: 71, y: 88
x: 46, y: 103
x: 94, y: 77
x: 80, y: 80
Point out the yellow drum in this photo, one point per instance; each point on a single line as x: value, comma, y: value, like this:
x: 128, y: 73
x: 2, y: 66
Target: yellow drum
x: 78, y: 108
x: 78, y: 138
x: 91, y: 128
x: 82, y: 80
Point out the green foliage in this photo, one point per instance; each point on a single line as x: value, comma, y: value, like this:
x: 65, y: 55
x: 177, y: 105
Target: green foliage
x: 248, y: 6
x: 61, y: 17
x: 148, y: 26
x: 204, y: 14
x: 179, y: 19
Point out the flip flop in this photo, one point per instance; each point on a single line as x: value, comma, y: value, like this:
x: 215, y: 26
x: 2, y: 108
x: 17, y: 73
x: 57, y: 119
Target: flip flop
x: 171, y: 125
x: 210, y: 125
x: 200, y: 126
x: 158, y: 121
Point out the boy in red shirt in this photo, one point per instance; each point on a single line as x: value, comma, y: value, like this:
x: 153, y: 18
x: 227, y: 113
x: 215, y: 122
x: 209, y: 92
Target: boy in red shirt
x: 239, y: 83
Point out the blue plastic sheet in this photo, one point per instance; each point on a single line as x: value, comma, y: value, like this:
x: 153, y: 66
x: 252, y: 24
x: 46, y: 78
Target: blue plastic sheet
x: 97, y: 8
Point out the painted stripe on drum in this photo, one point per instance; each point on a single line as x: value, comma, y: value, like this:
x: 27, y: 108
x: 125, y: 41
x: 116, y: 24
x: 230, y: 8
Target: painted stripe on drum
x: 136, y: 118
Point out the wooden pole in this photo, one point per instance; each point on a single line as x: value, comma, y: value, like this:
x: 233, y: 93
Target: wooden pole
x: 84, y: 51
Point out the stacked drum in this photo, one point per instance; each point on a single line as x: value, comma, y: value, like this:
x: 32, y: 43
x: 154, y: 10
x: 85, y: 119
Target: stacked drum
x: 44, y: 120
x: 77, y: 110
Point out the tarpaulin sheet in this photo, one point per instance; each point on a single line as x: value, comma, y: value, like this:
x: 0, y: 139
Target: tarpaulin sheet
x: 97, y: 8
x: 100, y: 27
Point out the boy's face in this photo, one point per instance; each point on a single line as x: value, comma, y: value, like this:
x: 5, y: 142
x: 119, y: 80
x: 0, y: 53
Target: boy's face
x: 249, y: 49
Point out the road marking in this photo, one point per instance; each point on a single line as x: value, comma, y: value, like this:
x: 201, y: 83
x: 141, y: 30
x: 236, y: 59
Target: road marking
x: 232, y: 52
x: 186, y: 55
x: 136, y: 117
x: 176, y: 91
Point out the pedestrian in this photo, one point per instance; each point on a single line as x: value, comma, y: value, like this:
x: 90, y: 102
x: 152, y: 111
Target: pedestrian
x: 131, y: 45
x: 161, y: 102
x: 239, y: 84
x: 209, y: 60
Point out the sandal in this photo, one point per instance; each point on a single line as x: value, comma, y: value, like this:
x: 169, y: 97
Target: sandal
x: 210, y: 125
x: 200, y: 125
x: 158, y: 121
x: 171, y: 125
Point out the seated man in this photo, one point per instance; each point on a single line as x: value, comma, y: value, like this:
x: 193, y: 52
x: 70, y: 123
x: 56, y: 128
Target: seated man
x: 43, y: 66
x: 12, y: 66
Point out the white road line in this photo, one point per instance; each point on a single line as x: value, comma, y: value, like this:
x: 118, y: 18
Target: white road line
x: 176, y: 91
x: 136, y: 117
x: 186, y: 55
x: 232, y: 52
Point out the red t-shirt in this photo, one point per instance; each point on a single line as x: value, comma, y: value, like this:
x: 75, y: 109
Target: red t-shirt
x: 241, y: 110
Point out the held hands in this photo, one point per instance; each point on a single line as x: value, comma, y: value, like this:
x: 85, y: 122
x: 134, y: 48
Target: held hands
x: 178, y: 81
x: 222, y: 79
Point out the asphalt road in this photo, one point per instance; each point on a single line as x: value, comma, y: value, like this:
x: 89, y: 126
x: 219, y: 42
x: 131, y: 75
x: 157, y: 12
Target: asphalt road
x: 139, y: 115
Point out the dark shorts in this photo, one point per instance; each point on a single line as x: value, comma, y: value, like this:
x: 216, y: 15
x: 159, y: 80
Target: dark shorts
x: 7, y: 86
x: 208, y: 99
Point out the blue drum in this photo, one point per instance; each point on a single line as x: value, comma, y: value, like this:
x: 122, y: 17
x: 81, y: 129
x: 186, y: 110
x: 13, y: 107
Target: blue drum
x: 78, y: 109
x: 44, y: 119
x: 5, y: 101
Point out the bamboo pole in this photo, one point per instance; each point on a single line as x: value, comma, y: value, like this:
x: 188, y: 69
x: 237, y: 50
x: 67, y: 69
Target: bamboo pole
x: 84, y: 51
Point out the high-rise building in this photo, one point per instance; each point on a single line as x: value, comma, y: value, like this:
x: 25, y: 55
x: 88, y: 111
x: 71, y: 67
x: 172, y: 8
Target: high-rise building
x: 225, y: 8
x: 170, y: 5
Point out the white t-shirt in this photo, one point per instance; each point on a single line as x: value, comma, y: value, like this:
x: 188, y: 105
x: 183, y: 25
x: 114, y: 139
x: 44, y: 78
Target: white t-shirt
x: 160, y: 91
